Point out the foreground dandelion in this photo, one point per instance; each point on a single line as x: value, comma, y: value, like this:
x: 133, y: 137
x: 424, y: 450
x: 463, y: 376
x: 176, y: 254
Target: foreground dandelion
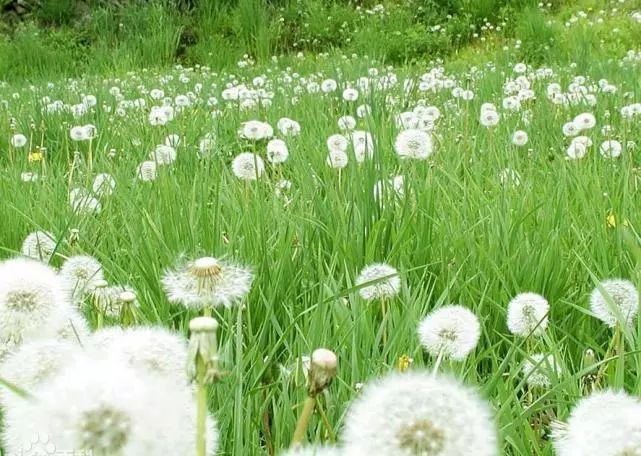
x: 108, y: 408
x: 157, y: 351
x: 615, y: 301
x: 603, y: 424
x: 81, y: 274
x: 450, y: 332
x: 527, y: 315
x: 315, y: 451
x: 207, y: 282
x: 416, y: 413
x: 32, y: 301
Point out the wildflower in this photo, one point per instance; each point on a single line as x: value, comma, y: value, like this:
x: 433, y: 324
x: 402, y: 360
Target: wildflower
x: 602, y: 424
x: 248, y: 166
x: 255, y: 130
x: 18, y: 141
x: 32, y: 298
x: 288, y: 127
x: 378, y: 281
x: 337, y: 142
x: 412, y: 414
x: 570, y: 129
x: 615, y: 301
x: 585, y: 121
x: 540, y: 370
x: 527, y: 315
x: 80, y: 274
x: 404, y: 363
x: 519, y: 138
x: 103, y: 184
x: 610, y: 149
x: 414, y: 144
x: 489, y: 118
x: 163, y: 155
x: 509, y: 177
x: 350, y: 94
x: 206, y: 282
x: 156, y: 350
x: 337, y: 159
x: 39, y: 245
x: 346, y: 123
x: 78, y: 133
x: 363, y: 145
x: 146, y: 171
x: 277, y: 151
x: 451, y: 332
x: 116, y: 410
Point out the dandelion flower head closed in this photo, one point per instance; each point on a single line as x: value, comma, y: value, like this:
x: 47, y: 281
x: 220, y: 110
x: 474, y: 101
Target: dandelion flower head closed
x: 386, y: 282
x: 618, y: 294
x: 207, y: 281
x: 527, y: 315
x: 413, y: 414
x: 451, y: 331
x: 604, y: 424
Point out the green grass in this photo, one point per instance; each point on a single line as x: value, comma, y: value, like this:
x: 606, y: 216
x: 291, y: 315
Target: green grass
x: 458, y: 236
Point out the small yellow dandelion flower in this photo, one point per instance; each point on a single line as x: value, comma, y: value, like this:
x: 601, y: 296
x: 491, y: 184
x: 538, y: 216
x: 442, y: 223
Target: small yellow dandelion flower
x: 611, y: 220
x: 35, y: 157
x: 404, y: 363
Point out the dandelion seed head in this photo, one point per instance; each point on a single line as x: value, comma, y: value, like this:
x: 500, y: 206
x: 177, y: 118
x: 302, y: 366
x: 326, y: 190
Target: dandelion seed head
x: 386, y: 282
x: 527, y: 315
x: 451, y: 331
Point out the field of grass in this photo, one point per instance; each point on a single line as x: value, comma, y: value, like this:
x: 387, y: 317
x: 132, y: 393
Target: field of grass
x: 479, y: 219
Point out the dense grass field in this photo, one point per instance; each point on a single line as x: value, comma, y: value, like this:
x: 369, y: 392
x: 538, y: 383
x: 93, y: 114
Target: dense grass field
x: 477, y: 179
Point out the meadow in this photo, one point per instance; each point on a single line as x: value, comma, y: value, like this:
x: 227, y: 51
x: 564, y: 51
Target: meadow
x: 465, y: 228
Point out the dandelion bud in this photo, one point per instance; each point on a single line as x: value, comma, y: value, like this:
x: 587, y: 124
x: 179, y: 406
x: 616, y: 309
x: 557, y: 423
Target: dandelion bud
x: 322, y: 370
x: 202, y: 355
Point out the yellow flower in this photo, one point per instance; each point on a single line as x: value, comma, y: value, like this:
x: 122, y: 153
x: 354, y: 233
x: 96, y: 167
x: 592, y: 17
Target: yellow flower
x: 35, y: 157
x: 404, y: 363
x: 611, y: 220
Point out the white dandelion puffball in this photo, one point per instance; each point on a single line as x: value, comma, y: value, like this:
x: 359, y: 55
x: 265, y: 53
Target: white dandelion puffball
x: 337, y: 142
x: 416, y: 413
x: 80, y: 275
x: 71, y: 327
x: 615, y: 299
x: 346, y: 123
x: 33, y: 364
x: 585, y: 121
x: 350, y: 94
x: 527, y: 315
x: 363, y: 144
x: 605, y: 423
x: 106, y: 407
x: 576, y: 151
x: 207, y: 281
x: 378, y: 281
x: 288, y: 127
x: 18, y: 141
x: 163, y: 154
x: 207, y: 145
x: 337, y: 159
x: 413, y: 143
x: 39, y: 245
x: 489, y: 118
x: 540, y: 370
x: 570, y: 129
x: 248, y: 166
x: 103, y: 185
x: 146, y: 171
x: 394, y: 188
x: 155, y: 350
x: 32, y: 299
x: 78, y: 133
x: 451, y: 331
x: 277, y: 151
x: 610, y: 149
x: 519, y: 138
x: 255, y: 130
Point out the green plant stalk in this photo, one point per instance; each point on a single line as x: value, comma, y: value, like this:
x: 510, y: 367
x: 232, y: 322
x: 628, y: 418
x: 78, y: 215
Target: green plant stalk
x: 303, y: 421
x: 201, y: 413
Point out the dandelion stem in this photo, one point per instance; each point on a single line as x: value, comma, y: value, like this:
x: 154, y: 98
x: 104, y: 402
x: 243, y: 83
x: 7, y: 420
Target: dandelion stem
x: 326, y: 423
x: 437, y: 364
x: 201, y: 441
x: 238, y: 403
x: 384, y: 319
x: 303, y: 420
